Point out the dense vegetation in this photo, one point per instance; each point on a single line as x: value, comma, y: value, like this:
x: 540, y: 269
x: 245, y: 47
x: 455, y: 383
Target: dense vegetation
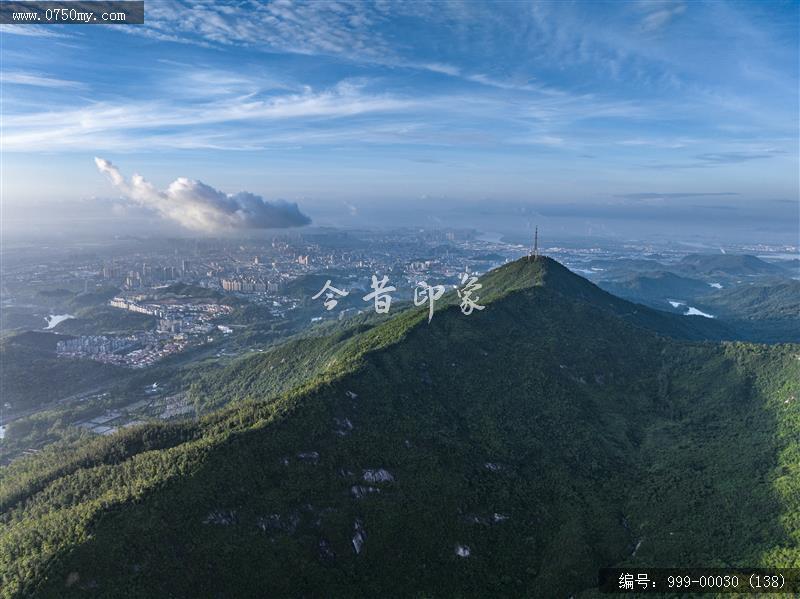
x: 779, y: 300
x: 555, y: 432
x: 654, y: 288
x: 33, y: 375
x: 766, y: 311
x: 101, y: 320
x: 728, y: 264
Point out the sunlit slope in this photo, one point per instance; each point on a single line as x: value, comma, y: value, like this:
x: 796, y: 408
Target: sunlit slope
x: 511, y: 452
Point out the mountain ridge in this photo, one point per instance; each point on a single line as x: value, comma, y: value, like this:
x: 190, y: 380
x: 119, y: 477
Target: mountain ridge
x: 730, y: 264
x: 532, y: 413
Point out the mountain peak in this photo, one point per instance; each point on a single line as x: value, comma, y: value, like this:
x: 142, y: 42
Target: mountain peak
x: 555, y: 279
x: 542, y: 271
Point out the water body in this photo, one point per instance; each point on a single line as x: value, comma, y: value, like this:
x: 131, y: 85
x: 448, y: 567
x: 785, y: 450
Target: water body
x: 696, y: 312
x: 690, y: 311
x: 54, y: 319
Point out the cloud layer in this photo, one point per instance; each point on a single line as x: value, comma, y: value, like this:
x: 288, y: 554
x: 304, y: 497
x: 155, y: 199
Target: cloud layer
x: 199, y: 207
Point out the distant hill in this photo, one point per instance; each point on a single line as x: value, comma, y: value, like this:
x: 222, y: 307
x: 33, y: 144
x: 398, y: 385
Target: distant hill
x: 103, y: 319
x: 507, y: 453
x: 656, y: 287
x: 40, y: 340
x: 780, y: 300
x: 93, y: 298
x: 728, y: 264
x: 792, y: 267
x: 626, y: 264
x: 766, y: 312
x: 184, y: 290
x: 755, y: 301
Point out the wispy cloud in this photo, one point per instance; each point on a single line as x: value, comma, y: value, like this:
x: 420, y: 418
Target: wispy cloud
x: 736, y: 157
x: 31, y: 31
x: 334, y: 28
x: 126, y: 126
x: 670, y: 144
x: 659, y: 14
x: 39, y: 81
x: 651, y: 195
x: 214, y: 109
x: 719, y: 159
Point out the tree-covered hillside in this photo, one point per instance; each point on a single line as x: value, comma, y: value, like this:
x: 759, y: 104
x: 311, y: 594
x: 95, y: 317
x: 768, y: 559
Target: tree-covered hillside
x: 779, y: 300
x: 33, y: 376
x: 507, y: 453
x: 728, y: 264
x: 767, y: 312
x: 654, y: 288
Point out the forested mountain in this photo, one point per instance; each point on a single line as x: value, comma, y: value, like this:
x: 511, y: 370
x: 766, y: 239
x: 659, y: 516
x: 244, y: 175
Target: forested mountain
x: 728, y: 264
x: 779, y: 300
x: 767, y: 310
x: 510, y: 452
x: 654, y: 288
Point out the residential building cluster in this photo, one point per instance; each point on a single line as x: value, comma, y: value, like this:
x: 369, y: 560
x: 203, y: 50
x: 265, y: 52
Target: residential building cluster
x: 137, y: 350
x: 92, y: 345
x: 249, y: 285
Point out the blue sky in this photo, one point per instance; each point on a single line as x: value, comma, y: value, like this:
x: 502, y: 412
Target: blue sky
x: 337, y: 104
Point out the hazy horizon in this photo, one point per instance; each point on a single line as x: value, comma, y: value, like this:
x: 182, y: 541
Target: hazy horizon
x: 612, y: 119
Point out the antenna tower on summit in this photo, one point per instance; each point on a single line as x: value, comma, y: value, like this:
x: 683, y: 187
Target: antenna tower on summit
x: 535, y: 247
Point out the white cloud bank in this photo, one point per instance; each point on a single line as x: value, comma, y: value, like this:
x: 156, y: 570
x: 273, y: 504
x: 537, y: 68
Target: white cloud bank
x: 199, y: 207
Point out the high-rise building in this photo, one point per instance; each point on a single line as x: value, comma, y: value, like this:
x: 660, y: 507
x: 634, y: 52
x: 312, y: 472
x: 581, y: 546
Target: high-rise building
x: 244, y: 285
